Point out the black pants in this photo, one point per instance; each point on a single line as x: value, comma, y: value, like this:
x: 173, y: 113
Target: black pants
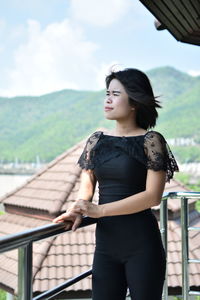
x: 143, y: 273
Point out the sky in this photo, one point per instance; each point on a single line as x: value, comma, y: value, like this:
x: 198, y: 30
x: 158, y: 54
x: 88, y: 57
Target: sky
x: 50, y: 45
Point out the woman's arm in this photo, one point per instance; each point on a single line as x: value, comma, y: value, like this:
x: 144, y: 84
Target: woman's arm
x: 152, y: 195
x: 87, y: 185
x: 86, y: 192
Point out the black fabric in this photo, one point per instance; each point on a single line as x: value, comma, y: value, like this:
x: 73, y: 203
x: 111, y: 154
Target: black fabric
x: 129, y: 250
x: 143, y: 273
x: 150, y: 149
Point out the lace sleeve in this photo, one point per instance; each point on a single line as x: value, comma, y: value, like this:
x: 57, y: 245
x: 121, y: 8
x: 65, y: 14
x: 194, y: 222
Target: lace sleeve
x: 86, y: 159
x: 159, y: 155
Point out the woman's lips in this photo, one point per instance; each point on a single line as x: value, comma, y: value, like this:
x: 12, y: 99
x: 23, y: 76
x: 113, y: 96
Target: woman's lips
x: 108, y: 108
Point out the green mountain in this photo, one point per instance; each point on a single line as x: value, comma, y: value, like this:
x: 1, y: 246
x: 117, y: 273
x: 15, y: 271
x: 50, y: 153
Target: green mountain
x: 50, y: 124
x: 46, y: 125
x: 169, y: 83
x: 180, y: 117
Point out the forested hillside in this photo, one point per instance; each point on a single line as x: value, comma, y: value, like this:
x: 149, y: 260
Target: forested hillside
x: 50, y: 124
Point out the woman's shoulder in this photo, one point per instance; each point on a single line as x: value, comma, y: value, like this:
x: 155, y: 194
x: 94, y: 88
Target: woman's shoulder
x: 96, y: 133
x: 152, y: 134
x: 154, y: 139
x: 92, y: 140
x: 94, y: 137
x: 86, y: 159
x: 159, y: 155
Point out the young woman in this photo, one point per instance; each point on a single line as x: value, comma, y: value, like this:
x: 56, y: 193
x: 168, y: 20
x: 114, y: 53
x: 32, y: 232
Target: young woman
x: 131, y: 166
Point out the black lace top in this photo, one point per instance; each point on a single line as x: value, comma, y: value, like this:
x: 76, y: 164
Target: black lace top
x: 120, y: 165
x: 151, y: 150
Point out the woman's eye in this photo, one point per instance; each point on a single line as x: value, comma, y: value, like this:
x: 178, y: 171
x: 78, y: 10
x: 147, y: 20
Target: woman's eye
x: 114, y: 94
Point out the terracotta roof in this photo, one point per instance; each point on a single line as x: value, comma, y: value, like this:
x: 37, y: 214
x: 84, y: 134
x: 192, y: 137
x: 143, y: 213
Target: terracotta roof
x: 69, y: 255
x: 47, y: 191
x: 10, y: 224
x: 57, y: 259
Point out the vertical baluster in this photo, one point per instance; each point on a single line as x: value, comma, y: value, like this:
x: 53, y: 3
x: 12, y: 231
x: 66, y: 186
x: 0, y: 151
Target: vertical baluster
x: 25, y: 272
x: 184, y: 238
x: 163, y: 229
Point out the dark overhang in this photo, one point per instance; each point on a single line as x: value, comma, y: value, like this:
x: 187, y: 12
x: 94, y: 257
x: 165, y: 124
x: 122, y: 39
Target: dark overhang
x: 180, y: 17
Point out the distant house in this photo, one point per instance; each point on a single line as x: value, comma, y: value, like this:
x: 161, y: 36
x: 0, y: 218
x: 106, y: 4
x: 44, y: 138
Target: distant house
x: 47, y: 194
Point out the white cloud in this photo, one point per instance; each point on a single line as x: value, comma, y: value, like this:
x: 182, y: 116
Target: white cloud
x: 99, y: 13
x: 194, y: 72
x: 40, y: 60
x: 55, y: 58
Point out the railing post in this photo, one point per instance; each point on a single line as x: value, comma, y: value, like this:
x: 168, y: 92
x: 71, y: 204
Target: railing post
x: 25, y: 272
x: 163, y: 230
x: 184, y: 239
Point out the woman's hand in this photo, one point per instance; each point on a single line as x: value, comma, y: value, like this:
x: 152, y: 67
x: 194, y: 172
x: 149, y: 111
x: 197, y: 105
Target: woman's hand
x: 72, y: 219
x: 89, y: 209
x: 73, y: 216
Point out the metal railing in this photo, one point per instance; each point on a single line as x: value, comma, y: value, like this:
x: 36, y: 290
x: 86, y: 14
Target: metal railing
x: 183, y: 196
x: 23, y: 242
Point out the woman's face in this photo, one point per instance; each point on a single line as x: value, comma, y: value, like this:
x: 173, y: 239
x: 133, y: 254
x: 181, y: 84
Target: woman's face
x: 116, y: 104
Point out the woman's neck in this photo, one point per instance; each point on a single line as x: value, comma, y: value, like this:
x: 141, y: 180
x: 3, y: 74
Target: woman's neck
x: 128, y: 129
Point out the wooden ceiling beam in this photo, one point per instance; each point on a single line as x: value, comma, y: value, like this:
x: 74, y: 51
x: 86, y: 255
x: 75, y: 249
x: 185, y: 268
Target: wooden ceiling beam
x: 180, y: 18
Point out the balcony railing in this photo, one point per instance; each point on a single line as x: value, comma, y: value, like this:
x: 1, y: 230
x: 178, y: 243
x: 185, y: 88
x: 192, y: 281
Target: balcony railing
x: 183, y: 196
x: 23, y: 242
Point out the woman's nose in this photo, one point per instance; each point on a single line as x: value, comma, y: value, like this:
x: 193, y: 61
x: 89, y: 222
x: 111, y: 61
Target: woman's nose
x: 109, y: 99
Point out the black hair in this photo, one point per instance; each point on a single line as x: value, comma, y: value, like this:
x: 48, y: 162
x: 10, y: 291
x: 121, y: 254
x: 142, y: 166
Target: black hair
x: 140, y: 93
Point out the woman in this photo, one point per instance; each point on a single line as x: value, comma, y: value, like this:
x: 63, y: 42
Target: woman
x: 131, y: 166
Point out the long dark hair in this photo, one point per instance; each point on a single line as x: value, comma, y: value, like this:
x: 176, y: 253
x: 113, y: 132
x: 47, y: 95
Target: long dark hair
x: 140, y: 93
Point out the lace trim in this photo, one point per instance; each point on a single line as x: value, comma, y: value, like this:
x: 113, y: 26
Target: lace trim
x: 98, y: 151
x: 152, y: 151
x: 159, y: 155
x: 86, y: 160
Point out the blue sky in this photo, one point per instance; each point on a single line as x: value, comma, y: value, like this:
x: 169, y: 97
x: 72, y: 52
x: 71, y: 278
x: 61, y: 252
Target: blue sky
x: 49, y: 45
